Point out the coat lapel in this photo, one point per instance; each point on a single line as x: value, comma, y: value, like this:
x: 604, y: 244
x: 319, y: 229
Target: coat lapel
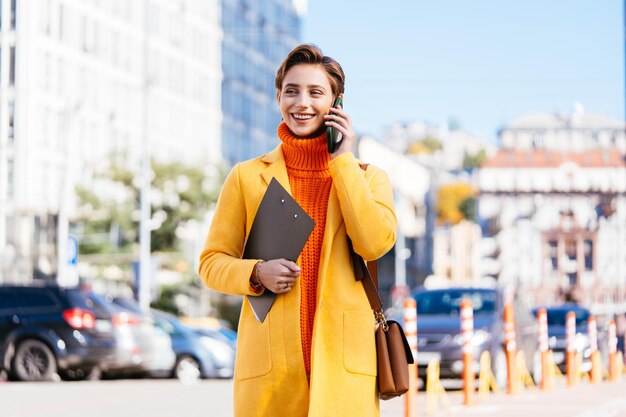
x: 276, y: 168
x: 333, y: 221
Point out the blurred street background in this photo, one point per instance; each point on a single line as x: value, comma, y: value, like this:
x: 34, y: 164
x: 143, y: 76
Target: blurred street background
x: 501, y: 125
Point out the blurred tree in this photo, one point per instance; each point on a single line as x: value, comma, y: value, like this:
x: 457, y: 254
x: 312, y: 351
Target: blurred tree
x: 109, y: 217
x: 467, y: 207
x: 456, y: 202
x: 427, y: 145
x: 166, y: 300
x: 474, y: 161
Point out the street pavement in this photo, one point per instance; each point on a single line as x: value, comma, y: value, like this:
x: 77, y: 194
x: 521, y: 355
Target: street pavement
x: 213, y: 398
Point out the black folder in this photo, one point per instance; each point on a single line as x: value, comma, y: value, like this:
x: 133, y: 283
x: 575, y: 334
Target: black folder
x: 280, y: 229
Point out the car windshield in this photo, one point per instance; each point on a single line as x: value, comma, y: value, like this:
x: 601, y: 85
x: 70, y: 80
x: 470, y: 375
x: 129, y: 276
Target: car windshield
x: 449, y: 302
x: 90, y: 301
x: 558, y: 317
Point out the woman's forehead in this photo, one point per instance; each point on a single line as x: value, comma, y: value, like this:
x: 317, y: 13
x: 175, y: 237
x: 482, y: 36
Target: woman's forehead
x: 307, y: 75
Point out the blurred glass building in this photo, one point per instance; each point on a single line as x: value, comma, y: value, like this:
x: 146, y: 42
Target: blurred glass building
x: 82, y: 79
x: 257, y: 37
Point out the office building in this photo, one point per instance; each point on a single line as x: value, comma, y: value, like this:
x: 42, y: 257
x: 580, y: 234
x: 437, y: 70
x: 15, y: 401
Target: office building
x: 257, y: 37
x: 82, y: 79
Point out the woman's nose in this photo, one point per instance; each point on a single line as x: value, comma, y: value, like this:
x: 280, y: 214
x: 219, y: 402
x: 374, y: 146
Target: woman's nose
x: 303, y: 101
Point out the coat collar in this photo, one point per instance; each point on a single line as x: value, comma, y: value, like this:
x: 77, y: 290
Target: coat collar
x: 276, y: 168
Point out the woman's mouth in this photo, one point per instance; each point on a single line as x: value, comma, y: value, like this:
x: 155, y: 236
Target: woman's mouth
x: 300, y: 116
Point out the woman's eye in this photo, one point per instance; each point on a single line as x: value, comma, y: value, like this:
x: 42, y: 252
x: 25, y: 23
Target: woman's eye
x: 316, y: 93
x: 290, y: 91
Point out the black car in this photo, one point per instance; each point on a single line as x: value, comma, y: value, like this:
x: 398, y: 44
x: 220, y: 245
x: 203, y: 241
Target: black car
x: 49, y: 330
x: 557, y: 341
x: 439, y: 331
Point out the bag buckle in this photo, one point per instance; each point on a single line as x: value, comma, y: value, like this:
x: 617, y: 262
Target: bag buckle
x: 380, y: 319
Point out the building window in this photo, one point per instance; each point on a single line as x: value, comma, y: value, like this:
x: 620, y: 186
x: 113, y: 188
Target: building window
x: 553, y: 253
x: 572, y: 279
x: 571, y: 250
x: 12, y: 66
x: 588, y: 249
x: 11, y: 121
x: 37, y: 231
x: 13, y: 13
x: 44, y: 17
x: 61, y: 13
x: 10, y: 178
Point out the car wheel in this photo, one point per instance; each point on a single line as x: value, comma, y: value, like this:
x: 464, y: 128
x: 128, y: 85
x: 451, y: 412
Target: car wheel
x: 498, y: 365
x: 187, y: 370
x: 34, y: 361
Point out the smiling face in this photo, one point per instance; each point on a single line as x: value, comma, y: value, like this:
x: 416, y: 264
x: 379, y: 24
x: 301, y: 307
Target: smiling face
x: 305, y: 97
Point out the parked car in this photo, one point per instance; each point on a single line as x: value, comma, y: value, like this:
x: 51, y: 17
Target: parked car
x: 197, y: 355
x: 557, y: 340
x: 439, y: 330
x: 45, y: 330
x: 143, y: 348
x: 212, y: 327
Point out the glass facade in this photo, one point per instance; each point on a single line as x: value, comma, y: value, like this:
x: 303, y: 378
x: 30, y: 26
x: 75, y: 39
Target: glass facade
x: 257, y: 37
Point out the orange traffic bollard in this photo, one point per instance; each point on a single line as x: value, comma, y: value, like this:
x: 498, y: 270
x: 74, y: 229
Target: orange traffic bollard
x: 510, y: 346
x: 613, y: 376
x: 596, y: 364
x: 546, y: 365
x: 570, y: 348
x: 410, y: 330
x: 467, y: 332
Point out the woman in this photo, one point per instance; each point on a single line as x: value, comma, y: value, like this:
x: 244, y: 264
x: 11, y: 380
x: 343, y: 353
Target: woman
x: 314, y: 354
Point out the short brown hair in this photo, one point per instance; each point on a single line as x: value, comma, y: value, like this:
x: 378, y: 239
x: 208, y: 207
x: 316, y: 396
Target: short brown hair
x: 311, y: 54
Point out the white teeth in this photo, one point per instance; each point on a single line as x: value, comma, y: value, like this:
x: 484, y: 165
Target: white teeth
x: 302, y: 116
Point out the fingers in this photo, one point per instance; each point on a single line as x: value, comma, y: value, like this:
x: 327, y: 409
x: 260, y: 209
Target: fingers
x: 283, y: 267
x: 339, y: 119
x: 282, y: 285
x: 278, y: 275
x: 342, y: 122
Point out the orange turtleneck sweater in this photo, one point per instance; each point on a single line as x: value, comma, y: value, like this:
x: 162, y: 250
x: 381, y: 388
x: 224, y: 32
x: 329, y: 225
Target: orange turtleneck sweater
x: 310, y: 181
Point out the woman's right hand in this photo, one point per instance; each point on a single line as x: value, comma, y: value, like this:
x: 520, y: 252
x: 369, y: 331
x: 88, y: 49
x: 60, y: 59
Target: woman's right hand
x: 278, y: 275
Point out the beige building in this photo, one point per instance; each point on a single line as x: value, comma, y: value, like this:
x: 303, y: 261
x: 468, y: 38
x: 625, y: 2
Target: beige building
x: 554, y: 204
x: 457, y: 254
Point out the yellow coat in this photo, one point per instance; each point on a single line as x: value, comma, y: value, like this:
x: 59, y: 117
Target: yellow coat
x: 270, y: 379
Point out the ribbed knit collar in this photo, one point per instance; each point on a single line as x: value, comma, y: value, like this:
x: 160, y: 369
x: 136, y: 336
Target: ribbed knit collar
x: 304, y: 154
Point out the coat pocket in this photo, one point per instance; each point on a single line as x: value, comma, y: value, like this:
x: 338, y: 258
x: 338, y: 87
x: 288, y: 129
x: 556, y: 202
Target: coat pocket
x: 359, y: 345
x: 253, y: 349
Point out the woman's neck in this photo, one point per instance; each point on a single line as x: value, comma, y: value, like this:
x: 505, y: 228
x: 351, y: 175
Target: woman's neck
x: 304, y: 153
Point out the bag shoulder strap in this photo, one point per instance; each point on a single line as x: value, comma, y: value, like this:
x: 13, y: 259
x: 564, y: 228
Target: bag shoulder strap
x: 367, y: 273
x: 362, y: 273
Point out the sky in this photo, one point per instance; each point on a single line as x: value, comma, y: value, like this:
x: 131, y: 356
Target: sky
x: 483, y: 63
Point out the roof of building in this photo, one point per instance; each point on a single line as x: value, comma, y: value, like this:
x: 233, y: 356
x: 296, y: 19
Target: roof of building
x: 541, y: 158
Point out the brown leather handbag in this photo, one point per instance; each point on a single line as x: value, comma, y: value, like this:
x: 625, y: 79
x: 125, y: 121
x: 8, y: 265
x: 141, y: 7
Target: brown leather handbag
x: 393, y: 353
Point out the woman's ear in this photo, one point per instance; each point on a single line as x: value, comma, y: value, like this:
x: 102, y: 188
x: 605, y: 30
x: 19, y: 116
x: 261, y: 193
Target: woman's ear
x: 278, y: 96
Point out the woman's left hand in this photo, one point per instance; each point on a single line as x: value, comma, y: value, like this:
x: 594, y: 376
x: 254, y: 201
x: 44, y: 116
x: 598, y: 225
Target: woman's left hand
x: 341, y: 121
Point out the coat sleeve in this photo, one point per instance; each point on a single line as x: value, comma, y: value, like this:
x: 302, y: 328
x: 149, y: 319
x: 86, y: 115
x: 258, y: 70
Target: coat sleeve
x: 366, y: 202
x: 221, y: 267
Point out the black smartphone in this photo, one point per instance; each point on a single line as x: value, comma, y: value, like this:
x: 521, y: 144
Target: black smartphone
x: 333, y: 136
